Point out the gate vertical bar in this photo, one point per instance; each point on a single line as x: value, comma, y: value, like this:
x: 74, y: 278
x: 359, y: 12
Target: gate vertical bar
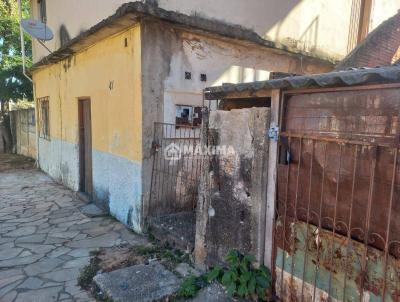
x: 334, y: 219
x: 295, y: 209
x: 320, y: 222
x: 308, y: 219
x: 164, y: 162
x: 389, y: 223
x: 182, y: 166
x: 174, y: 140
x: 167, y: 176
x: 350, y: 220
x: 367, y: 223
x: 159, y: 160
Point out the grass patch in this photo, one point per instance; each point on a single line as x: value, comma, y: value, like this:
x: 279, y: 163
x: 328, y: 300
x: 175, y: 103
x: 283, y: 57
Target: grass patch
x: 168, y: 256
x: 87, y: 274
x: 85, y: 279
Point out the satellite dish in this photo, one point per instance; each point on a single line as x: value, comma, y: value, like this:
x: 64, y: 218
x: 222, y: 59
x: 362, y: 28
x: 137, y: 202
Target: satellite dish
x: 37, y: 29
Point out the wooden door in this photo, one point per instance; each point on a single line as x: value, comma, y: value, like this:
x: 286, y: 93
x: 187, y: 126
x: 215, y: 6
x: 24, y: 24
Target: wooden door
x: 85, y: 146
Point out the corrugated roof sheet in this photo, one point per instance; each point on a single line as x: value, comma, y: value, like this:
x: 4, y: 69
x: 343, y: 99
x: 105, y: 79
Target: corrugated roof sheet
x: 362, y: 76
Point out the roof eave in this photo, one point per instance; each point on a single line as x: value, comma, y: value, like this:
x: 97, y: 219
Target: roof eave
x: 388, y: 74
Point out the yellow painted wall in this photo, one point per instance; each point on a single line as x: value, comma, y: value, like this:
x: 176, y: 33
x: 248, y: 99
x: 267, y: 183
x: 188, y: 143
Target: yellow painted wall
x: 116, y: 112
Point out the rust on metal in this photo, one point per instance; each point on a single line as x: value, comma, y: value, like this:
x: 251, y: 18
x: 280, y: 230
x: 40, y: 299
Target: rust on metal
x: 338, y: 221
x: 174, y: 179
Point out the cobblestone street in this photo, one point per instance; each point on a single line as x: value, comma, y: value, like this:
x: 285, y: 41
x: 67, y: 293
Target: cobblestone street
x: 44, y: 238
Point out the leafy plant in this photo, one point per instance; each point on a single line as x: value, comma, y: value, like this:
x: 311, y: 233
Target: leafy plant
x: 191, y: 285
x: 242, y: 278
x: 13, y: 84
x: 174, y: 256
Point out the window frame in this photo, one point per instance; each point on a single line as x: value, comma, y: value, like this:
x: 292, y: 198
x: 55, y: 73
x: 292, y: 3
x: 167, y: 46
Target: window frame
x: 44, y: 117
x: 192, y: 119
x: 42, y: 10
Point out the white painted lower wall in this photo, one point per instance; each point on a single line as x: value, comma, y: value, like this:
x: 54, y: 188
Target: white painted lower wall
x: 60, y: 160
x: 116, y: 180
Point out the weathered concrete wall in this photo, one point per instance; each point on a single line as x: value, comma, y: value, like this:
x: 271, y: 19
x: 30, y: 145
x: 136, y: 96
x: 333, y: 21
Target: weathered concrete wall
x: 23, y: 128
x: 232, y: 215
x: 168, y: 52
x: 222, y: 62
x: 109, y: 73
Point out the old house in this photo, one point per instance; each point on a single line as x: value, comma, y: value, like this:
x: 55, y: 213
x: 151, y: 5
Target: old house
x: 113, y: 91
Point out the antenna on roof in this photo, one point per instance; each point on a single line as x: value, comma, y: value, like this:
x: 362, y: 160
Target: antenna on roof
x: 37, y: 30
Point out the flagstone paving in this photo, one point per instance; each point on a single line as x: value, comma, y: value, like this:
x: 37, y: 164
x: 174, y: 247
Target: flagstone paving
x: 45, y: 240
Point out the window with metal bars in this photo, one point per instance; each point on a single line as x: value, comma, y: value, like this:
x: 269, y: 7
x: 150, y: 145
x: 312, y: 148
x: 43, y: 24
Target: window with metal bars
x: 44, y: 118
x: 188, y: 115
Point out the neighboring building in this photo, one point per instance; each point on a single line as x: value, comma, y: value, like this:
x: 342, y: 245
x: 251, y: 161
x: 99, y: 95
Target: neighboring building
x: 380, y: 48
x: 328, y: 29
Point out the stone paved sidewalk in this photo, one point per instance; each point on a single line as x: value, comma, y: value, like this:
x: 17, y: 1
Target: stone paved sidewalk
x: 44, y: 239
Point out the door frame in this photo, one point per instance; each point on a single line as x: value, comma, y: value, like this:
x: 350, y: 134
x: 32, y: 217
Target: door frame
x: 85, y: 145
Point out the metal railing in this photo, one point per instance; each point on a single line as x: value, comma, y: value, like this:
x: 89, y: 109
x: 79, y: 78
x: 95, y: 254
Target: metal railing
x: 337, y: 235
x: 176, y: 169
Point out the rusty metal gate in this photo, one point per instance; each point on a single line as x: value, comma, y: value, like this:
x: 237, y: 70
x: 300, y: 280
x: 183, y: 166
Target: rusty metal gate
x: 337, y: 229
x: 176, y: 169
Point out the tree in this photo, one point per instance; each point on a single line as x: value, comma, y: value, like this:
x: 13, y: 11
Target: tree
x: 13, y: 84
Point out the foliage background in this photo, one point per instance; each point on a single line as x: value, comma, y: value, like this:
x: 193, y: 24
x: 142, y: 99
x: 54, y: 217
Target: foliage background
x: 13, y: 84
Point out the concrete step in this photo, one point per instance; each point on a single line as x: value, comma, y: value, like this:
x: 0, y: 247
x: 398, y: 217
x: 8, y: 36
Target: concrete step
x: 146, y: 283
